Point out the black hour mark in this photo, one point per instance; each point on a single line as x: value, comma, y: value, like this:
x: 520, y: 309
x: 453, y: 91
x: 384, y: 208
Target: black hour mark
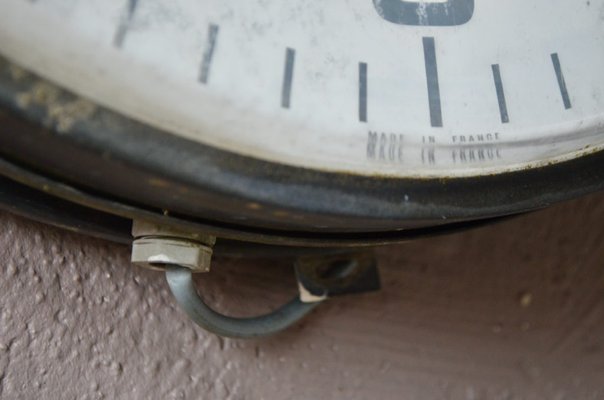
x: 436, y: 119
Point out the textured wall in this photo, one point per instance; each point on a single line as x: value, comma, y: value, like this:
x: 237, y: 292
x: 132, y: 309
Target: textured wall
x: 511, y: 311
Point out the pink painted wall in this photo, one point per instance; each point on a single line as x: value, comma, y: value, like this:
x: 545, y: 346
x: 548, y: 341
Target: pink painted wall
x: 511, y: 311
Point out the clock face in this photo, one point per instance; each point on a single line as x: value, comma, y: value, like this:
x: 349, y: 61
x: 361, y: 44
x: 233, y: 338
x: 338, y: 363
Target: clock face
x: 445, y: 88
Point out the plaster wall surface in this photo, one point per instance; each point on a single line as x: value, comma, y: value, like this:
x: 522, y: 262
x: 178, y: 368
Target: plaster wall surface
x: 509, y: 311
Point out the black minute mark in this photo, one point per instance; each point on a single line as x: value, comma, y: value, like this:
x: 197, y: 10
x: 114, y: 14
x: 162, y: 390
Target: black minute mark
x: 122, y: 29
x: 503, y: 108
x: 561, y: 81
x: 288, y: 77
x: 208, y: 54
x: 363, y: 92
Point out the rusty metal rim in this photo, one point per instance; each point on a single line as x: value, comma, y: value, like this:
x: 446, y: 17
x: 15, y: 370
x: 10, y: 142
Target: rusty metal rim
x: 45, y: 197
x: 130, y: 169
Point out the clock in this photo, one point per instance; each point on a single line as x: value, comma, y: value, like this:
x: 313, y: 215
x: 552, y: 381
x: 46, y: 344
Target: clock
x: 305, y: 124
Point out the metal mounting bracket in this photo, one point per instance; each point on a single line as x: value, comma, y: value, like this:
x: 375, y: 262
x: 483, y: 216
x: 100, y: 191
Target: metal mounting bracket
x: 181, y: 254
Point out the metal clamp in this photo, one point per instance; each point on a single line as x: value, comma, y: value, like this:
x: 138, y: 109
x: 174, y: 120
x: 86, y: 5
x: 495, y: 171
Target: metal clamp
x: 182, y: 254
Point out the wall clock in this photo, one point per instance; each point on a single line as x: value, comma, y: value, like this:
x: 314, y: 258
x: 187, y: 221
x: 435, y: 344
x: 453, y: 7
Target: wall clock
x: 296, y: 125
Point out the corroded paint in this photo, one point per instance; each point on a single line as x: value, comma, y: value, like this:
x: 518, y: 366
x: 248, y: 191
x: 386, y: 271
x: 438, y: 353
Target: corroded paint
x: 60, y: 112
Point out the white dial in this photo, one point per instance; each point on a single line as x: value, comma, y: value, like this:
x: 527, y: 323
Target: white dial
x: 371, y: 87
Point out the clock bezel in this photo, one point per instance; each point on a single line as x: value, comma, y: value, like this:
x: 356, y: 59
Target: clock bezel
x: 116, y: 157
